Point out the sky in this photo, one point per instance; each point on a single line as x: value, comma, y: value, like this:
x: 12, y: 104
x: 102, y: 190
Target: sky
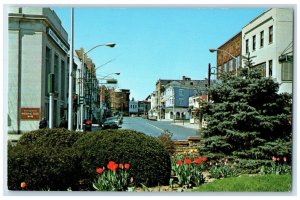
x: 154, y: 43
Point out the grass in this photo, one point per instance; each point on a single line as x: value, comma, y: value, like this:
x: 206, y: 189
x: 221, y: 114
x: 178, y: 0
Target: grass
x: 246, y: 183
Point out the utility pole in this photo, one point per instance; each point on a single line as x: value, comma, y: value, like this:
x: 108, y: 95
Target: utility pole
x: 70, y: 104
x: 51, y: 98
x: 208, y: 80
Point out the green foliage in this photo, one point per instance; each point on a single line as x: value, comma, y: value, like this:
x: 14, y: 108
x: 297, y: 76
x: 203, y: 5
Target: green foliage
x: 247, y: 119
x: 189, y: 170
x: 112, y: 179
x: 166, y: 140
x: 150, y: 162
x: 278, y: 166
x: 223, y: 169
x: 50, y: 138
x: 42, y: 168
x: 44, y: 159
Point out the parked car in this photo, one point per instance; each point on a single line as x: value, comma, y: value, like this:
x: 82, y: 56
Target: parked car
x: 111, y: 124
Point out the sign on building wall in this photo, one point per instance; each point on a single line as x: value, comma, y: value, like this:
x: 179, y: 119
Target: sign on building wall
x: 30, y: 113
x: 57, y: 40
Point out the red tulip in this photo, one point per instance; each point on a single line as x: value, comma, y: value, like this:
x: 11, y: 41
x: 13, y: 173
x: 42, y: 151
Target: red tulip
x: 121, y: 166
x: 197, y: 160
x: 99, y: 170
x: 127, y: 165
x: 187, y: 161
x: 204, y: 159
x: 112, y: 166
x: 179, y: 162
x: 23, y: 184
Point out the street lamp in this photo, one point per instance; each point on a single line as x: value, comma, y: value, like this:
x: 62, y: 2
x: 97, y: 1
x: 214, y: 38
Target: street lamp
x: 81, y: 78
x: 232, y: 56
x: 209, y: 75
x: 103, y: 78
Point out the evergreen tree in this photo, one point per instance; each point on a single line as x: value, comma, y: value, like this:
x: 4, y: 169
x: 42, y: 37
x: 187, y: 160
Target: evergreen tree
x: 247, y: 118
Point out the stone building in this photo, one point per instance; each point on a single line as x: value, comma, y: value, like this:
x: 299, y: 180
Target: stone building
x: 37, y: 46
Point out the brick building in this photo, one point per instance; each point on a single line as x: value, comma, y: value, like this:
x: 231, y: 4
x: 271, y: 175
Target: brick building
x: 225, y: 53
x: 120, y: 101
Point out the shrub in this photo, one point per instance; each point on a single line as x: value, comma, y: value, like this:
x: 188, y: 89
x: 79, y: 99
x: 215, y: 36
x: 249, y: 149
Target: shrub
x: 150, y: 163
x: 44, y: 159
x: 42, y: 168
x: 50, y: 138
x: 166, y: 140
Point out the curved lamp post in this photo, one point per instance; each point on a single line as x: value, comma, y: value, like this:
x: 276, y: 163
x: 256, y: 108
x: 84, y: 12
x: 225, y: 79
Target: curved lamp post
x: 232, y: 56
x: 81, y: 78
x: 103, y: 78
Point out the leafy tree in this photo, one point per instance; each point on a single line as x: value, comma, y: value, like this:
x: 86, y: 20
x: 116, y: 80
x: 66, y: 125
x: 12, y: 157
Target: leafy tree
x: 247, y: 118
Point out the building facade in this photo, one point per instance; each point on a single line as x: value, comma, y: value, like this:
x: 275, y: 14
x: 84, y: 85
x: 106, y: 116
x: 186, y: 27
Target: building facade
x: 38, y: 46
x: 120, y: 101
x: 159, y: 107
x: 143, y: 108
x: 133, y: 107
x: 268, y: 39
x: 177, y: 99
x: 90, y: 95
x: 229, y: 56
x: 195, y: 105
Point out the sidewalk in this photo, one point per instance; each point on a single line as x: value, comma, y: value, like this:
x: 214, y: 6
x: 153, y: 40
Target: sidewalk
x: 186, y: 125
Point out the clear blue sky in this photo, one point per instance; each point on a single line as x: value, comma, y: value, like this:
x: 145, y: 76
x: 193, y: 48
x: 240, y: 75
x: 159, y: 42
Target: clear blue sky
x: 154, y: 43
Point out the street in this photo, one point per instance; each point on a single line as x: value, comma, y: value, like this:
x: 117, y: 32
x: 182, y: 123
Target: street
x: 155, y: 128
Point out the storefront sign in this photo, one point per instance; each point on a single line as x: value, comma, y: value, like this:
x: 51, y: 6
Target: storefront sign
x: 57, y: 40
x: 30, y: 113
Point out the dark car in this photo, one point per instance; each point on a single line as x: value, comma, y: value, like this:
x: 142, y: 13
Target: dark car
x: 110, y: 124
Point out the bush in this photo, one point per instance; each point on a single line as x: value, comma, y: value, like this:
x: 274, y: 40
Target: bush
x: 42, y: 168
x: 44, y: 159
x: 150, y: 163
x: 50, y: 138
x: 166, y: 140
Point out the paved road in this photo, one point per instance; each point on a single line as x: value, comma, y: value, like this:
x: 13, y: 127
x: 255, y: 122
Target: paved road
x: 155, y: 128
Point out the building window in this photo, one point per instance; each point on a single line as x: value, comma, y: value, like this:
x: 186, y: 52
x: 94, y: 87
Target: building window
x: 62, y: 80
x: 56, y: 72
x: 181, y: 102
x: 262, y: 67
x: 270, y: 67
x: 262, y: 39
x: 224, y: 68
x: 181, y: 92
x: 230, y: 65
x: 238, y: 62
x: 247, y: 46
x: 287, y: 71
x: 254, y: 43
x: 48, y: 69
x: 270, y: 34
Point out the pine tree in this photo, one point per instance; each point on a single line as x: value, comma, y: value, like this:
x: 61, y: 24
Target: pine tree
x: 247, y: 118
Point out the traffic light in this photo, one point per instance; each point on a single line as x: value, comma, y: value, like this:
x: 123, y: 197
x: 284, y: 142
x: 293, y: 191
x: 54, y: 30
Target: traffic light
x: 81, y: 100
x: 75, y: 102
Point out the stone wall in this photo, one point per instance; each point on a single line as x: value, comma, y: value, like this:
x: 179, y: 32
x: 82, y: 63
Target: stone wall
x: 189, y: 145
